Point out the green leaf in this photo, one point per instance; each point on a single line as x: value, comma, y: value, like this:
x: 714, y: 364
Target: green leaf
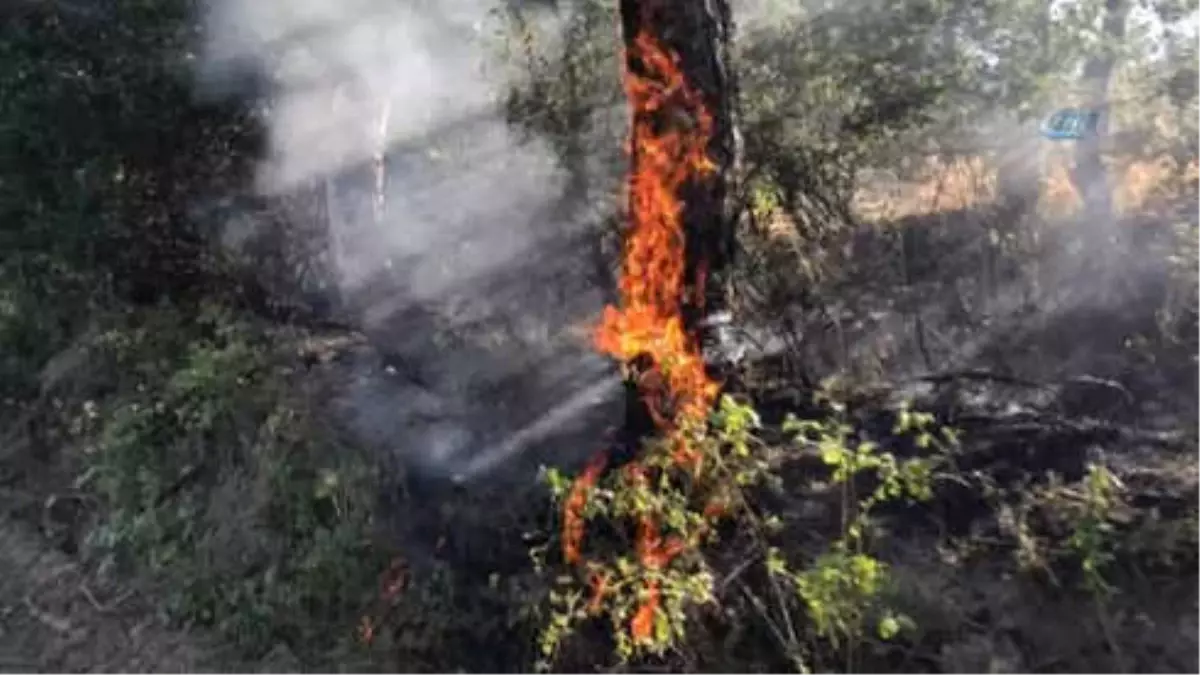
x: 889, y: 627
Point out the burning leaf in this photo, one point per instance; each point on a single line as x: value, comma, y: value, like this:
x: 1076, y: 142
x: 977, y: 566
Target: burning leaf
x: 642, y: 625
x: 573, y: 511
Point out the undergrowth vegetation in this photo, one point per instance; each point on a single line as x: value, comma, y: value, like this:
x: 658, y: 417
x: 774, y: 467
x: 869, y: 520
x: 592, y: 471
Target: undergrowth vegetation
x: 216, y: 475
x: 835, y: 598
x: 152, y: 423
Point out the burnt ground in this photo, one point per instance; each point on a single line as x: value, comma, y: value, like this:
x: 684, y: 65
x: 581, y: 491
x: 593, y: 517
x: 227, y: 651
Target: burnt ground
x: 1045, y: 369
x: 1047, y: 363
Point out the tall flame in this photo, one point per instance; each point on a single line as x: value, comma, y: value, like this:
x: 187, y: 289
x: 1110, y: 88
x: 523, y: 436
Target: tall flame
x: 650, y: 320
x: 669, y: 139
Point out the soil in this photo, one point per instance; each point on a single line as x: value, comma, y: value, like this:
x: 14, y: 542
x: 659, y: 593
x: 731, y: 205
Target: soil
x: 56, y: 615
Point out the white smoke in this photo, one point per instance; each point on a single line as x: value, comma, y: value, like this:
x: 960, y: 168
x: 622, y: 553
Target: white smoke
x: 470, y: 268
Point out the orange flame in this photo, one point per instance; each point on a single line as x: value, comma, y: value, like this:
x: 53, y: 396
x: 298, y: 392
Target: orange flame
x: 649, y: 321
x: 652, y: 285
x: 573, y: 511
x: 642, y: 624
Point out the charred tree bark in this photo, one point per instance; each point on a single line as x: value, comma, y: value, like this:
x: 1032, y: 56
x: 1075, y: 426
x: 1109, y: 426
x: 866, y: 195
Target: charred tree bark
x: 699, y: 33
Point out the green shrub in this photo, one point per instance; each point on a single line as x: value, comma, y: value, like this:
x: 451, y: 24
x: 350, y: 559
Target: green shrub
x: 838, y: 592
x: 220, y: 477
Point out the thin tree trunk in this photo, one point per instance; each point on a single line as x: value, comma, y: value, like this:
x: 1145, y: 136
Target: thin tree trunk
x: 1090, y: 175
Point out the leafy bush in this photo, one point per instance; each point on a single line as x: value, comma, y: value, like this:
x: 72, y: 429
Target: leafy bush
x: 649, y: 601
x: 104, y: 151
x: 219, y: 476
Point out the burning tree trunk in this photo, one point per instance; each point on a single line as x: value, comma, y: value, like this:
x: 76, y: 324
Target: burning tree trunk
x: 698, y: 35
x: 683, y: 157
x: 680, y: 237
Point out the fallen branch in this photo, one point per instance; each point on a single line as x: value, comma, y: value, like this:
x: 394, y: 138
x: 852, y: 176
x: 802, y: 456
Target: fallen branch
x: 104, y: 609
x: 981, y: 376
x: 1056, y: 424
x: 58, y: 624
x: 1105, y: 383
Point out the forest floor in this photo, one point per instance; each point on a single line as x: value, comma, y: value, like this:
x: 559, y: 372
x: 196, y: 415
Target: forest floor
x: 56, y: 615
x: 1043, y: 387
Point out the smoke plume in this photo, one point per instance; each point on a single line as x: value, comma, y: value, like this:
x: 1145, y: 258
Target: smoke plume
x: 454, y: 247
